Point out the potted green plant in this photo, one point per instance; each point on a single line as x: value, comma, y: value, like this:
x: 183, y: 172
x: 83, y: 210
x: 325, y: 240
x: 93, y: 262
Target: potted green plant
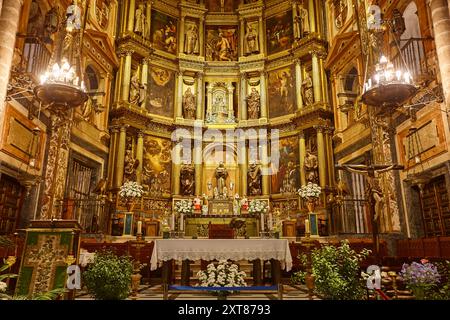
x: 109, y: 276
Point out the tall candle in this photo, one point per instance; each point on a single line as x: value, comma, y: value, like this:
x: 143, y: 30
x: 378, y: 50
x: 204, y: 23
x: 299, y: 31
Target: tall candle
x: 307, y: 226
x: 270, y: 221
x: 182, y: 222
x: 172, y: 224
x: 262, y: 221
x: 139, y: 227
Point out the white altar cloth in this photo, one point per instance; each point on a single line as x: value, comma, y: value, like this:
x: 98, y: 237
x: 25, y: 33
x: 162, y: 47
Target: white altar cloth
x: 217, y: 249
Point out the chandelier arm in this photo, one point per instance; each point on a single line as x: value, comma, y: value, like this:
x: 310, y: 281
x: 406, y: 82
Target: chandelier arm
x: 398, y: 47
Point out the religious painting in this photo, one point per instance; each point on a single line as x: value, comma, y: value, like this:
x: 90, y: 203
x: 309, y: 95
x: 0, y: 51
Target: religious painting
x: 279, y: 32
x: 220, y: 5
x: 160, y: 95
x: 286, y: 179
x: 164, y: 32
x: 281, y: 91
x: 221, y: 43
x: 157, y: 166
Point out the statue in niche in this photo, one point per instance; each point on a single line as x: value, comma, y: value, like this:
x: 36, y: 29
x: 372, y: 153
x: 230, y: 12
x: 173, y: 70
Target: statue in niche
x: 221, y: 175
x: 187, y: 179
x: 288, y: 184
x: 311, y: 164
x: 307, y: 90
x: 254, y: 180
x: 131, y: 165
x: 137, y: 91
x: 303, y: 21
x: 191, y: 44
x: 251, y: 44
x: 253, y: 104
x: 189, y: 104
x: 140, y: 21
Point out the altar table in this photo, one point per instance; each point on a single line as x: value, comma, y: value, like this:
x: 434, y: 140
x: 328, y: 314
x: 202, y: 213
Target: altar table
x: 275, y: 250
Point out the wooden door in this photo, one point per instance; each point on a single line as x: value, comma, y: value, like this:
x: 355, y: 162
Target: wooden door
x: 11, y: 197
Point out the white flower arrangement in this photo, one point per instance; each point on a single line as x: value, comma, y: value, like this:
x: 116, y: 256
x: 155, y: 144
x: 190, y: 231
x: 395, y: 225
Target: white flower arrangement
x: 311, y: 190
x: 3, y: 286
x: 184, y: 206
x: 258, y: 206
x: 131, y: 189
x: 225, y: 274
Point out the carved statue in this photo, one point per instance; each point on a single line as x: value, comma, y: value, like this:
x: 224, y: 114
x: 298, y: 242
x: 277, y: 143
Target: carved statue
x: 187, y: 179
x: 311, y: 164
x: 189, y: 104
x: 302, y: 21
x: 131, y: 164
x: 253, y: 104
x: 307, y: 90
x: 254, y: 180
x: 288, y: 184
x: 191, y: 44
x: 140, y: 21
x: 251, y: 44
x: 137, y: 91
x: 221, y: 175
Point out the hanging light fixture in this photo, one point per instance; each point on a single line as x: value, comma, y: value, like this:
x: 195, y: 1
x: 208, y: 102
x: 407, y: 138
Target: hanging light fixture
x: 388, y: 86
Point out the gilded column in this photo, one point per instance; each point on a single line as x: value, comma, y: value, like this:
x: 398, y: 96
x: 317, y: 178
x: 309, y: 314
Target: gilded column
x: 294, y: 20
x: 317, y: 77
x: 176, y: 168
x: 441, y: 23
x: 179, y: 98
x: 209, y: 93
x: 126, y: 76
x: 329, y: 155
x: 244, y: 167
x: 324, y: 83
x: 242, y: 31
x: 139, y: 156
x: 230, y: 100
x: 312, y: 16
x: 298, y: 83
x: 112, y: 156
x: 124, y: 20
x: 262, y: 35
x: 302, y: 153
x: 265, y: 167
x: 118, y: 83
x: 9, y: 19
x: 263, y: 94
x: 200, y: 32
x: 131, y: 14
x: 181, y: 42
x: 198, y: 165
x: 149, y: 17
x: 243, y: 97
x: 199, y: 111
x: 144, y: 75
x: 318, y: 17
x: 120, y: 157
x: 322, y: 157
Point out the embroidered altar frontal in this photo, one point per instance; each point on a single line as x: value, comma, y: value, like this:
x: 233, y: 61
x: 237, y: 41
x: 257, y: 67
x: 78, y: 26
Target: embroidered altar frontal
x: 44, y: 262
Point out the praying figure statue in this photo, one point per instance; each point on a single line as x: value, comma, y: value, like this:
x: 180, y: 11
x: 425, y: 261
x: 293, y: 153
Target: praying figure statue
x: 189, y: 104
x: 307, y: 90
x: 254, y: 180
x: 251, y: 44
x: 311, y: 164
x: 221, y: 175
x: 253, y: 104
x: 303, y: 21
x: 191, y: 44
x: 137, y: 91
x: 140, y: 22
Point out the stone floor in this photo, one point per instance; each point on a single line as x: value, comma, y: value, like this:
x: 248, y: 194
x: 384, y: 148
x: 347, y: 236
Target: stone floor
x: 155, y: 292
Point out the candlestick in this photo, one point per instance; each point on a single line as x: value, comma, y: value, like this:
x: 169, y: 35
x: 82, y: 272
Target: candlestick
x: 182, y: 222
x: 307, y: 226
x: 139, y: 227
x: 270, y: 221
x: 172, y: 224
x: 262, y: 221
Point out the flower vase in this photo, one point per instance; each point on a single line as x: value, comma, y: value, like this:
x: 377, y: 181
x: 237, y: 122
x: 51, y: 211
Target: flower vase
x: 130, y: 205
x: 311, y: 204
x: 419, y: 293
x: 222, y: 295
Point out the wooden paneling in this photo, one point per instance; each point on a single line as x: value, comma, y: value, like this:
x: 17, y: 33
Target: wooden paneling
x: 11, y: 197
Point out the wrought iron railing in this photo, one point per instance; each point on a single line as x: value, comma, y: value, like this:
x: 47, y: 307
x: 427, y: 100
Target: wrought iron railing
x: 35, y: 57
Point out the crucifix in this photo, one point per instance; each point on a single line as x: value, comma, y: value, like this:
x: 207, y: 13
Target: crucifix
x: 373, y: 194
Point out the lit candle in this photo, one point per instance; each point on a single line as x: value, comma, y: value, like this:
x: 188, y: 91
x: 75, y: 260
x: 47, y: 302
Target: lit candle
x: 307, y: 227
x: 139, y: 227
x: 172, y: 224
x: 262, y: 221
x: 182, y: 222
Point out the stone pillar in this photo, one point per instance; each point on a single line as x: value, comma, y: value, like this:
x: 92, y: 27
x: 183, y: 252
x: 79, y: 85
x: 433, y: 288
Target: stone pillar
x: 230, y: 100
x: 298, y: 84
x: 112, y: 156
x: 441, y: 23
x: 318, y: 17
x: 265, y: 166
x: 200, y: 32
x: 179, y: 98
x: 321, y: 156
x: 242, y: 32
x: 9, y: 19
x: 139, y: 156
x: 329, y: 155
x: 263, y: 90
x: 244, y: 167
x: 199, y: 111
x: 181, y: 42
x: 176, y: 169
x: 144, y: 75
x: 262, y: 35
x: 316, y: 77
x: 120, y: 157
x: 209, y: 93
x: 126, y: 76
x: 312, y: 16
x: 198, y: 164
x: 302, y: 153
x: 124, y: 19
x: 118, y: 86
x: 243, y: 108
x: 131, y: 15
